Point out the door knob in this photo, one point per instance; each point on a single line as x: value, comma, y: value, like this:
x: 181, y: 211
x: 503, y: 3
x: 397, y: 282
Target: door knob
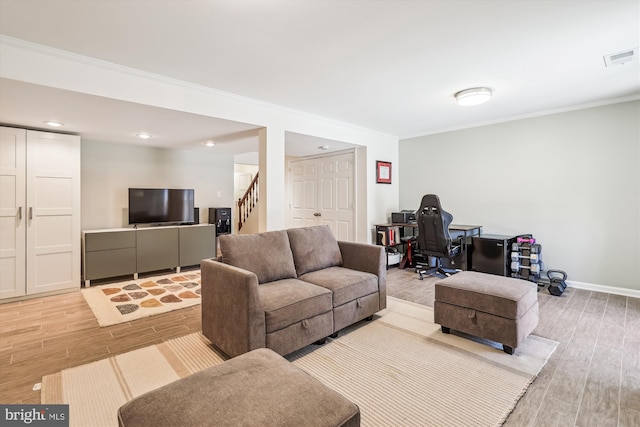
x: 317, y: 214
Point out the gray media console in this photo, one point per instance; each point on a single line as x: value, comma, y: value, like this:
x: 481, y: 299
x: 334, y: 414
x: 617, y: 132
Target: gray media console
x: 124, y: 251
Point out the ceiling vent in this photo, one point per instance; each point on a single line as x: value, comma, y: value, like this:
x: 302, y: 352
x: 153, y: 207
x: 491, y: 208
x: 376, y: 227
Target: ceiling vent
x: 621, y: 58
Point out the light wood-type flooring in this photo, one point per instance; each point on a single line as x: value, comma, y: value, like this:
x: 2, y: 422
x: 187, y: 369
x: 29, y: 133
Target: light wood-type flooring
x: 593, y: 378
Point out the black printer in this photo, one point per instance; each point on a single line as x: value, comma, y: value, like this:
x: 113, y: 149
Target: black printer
x: 403, y: 217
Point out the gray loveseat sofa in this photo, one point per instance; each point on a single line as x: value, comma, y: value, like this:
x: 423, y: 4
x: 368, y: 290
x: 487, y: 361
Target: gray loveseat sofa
x: 287, y: 289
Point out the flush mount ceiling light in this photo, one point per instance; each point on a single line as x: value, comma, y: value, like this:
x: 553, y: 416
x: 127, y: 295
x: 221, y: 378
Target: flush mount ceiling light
x: 473, y: 96
x: 209, y: 143
x: 323, y: 147
x: 144, y: 136
x: 54, y: 124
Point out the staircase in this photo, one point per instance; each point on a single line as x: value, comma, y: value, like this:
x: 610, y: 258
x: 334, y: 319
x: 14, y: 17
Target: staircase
x: 247, y: 202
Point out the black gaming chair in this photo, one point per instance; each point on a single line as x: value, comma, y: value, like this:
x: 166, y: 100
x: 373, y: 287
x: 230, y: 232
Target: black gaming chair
x: 433, y: 236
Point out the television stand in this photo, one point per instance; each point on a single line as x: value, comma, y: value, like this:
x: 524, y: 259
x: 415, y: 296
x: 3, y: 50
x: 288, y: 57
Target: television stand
x: 129, y: 251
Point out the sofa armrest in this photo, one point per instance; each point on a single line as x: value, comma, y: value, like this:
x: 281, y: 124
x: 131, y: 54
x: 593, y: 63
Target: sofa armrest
x: 232, y: 316
x: 367, y: 258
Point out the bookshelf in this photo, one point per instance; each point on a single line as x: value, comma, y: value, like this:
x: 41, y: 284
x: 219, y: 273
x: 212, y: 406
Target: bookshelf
x: 390, y: 236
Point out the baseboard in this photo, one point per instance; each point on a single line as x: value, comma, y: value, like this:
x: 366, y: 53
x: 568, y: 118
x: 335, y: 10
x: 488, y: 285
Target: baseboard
x: 40, y: 295
x: 606, y: 289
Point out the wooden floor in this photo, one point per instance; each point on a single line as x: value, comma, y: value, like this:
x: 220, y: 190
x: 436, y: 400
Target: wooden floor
x: 593, y: 378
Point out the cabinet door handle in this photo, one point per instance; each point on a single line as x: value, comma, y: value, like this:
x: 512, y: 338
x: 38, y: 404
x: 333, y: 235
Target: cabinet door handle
x: 317, y: 214
x: 20, y: 213
x: 30, y: 212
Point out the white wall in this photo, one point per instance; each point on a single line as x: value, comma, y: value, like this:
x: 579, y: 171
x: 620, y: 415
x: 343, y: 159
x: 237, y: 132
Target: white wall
x: 570, y: 179
x: 24, y: 61
x: 109, y: 170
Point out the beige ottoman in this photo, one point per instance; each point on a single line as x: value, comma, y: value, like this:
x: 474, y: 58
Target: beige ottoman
x: 496, y: 308
x: 258, y: 388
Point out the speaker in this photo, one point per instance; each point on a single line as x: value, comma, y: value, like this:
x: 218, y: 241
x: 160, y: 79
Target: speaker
x: 221, y: 217
x: 196, y: 215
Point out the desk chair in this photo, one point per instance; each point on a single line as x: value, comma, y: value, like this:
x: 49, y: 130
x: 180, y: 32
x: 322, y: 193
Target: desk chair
x: 433, y: 236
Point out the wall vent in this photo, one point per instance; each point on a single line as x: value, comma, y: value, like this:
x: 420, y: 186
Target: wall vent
x: 620, y: 58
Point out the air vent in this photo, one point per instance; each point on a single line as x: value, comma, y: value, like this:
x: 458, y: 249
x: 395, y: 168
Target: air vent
x: 620, y: 58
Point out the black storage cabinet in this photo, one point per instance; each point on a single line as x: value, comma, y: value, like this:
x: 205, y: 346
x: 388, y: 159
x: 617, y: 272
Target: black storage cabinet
x: 491, y: 253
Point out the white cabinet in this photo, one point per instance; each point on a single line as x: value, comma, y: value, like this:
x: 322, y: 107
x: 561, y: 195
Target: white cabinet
x: 13, y: 198
x: 39, y: 212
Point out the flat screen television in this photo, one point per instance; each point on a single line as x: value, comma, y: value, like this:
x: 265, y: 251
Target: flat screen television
x: 160, y: 205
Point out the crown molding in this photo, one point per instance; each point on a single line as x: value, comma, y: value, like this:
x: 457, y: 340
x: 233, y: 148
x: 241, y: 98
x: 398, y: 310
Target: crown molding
x: 110, y: 66
x: 610, y: 101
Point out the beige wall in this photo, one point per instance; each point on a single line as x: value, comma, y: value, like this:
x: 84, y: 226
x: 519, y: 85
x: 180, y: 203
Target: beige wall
x: 109, y: 170
x: 571, y: 179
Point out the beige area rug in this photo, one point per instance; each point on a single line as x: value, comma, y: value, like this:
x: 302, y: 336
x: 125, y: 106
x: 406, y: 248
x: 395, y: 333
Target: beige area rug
x: 399, y: 369
x: 134, y: 299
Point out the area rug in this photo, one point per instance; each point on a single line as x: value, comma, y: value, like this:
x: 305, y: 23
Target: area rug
x: 399, y: 369
x: 134, y: 299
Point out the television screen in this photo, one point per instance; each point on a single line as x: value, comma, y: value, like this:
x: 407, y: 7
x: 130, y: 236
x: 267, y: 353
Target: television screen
x: 159, y: 205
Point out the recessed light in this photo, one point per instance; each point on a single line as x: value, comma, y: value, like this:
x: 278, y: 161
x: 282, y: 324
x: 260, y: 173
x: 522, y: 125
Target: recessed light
x: 54, y: 124
x: 209, y: 143
x: 144, y: 135
x: 323, y: 147
x: 473, y: 96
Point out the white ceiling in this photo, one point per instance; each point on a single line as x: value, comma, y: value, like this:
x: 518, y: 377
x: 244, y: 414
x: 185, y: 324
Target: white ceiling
x: 114, y: 121
x: 390, y: 66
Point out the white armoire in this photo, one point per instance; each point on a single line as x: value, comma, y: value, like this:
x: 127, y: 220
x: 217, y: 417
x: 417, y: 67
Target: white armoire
x: 39, y: 212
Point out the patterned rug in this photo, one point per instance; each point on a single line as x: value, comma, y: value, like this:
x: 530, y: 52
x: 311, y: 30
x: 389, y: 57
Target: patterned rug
x: 134, y: 299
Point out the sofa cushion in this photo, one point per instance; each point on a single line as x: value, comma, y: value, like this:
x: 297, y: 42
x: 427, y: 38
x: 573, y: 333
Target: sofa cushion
x: 267, y: 254
x: 314, y: 248
x: 345, y: 284
x: 289, y: 301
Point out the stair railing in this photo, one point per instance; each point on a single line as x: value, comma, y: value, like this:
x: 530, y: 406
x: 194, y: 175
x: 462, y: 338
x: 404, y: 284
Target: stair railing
x: 247, y: 202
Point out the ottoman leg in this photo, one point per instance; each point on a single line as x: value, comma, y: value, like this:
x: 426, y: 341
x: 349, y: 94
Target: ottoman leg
x: 507, y: 349
x: 445, y: 330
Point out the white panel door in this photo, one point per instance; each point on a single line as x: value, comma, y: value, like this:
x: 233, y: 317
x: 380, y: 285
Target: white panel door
x: 241, y: 182
x: 303, y: 202
x: 53, y: 211
x: 12, y: 212
x: 337, y: 198
x: 322, y: 192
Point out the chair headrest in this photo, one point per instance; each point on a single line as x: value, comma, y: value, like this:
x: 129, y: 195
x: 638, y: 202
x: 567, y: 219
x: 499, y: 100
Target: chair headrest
x: 430, y: 205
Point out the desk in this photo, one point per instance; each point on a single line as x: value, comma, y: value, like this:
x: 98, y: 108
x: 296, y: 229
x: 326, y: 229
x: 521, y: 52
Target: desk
x: 467, y: 231
x: 455, y: 230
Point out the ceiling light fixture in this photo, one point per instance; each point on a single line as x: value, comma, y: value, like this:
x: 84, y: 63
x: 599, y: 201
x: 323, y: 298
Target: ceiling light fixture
x: 323, y: 147
x: 209, y: 143
x: 54, y: 123
x: 473, y: 96
x: 144, y: 135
